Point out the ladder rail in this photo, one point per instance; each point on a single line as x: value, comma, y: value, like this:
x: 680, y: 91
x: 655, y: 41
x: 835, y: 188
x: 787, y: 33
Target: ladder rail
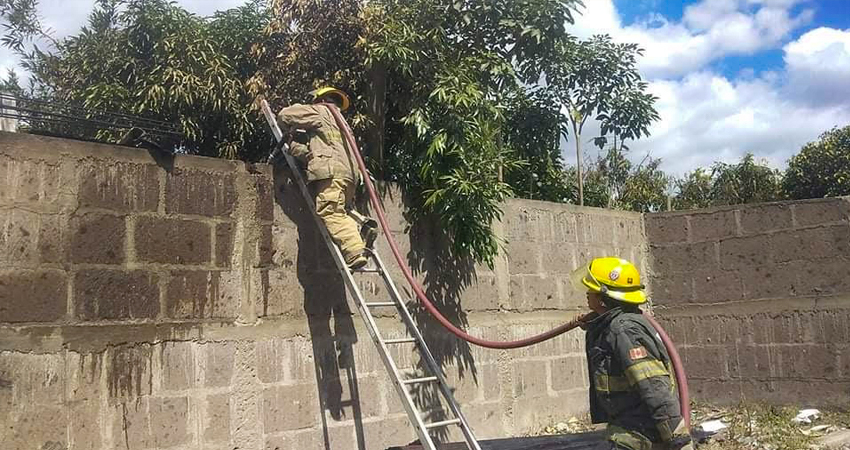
x: 371, y: 325
x: 422, y: 429
x: 430, y: 361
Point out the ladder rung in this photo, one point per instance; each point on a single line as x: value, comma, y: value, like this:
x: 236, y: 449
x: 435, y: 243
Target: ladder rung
x: 442, y: 423
x: 400, y: 341
x: 369, y: 270
x: 419, y: 380
x: 377, y: 304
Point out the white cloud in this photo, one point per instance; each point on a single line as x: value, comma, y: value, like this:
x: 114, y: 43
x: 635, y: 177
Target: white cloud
x: 818, y: 66
x: 707, y: 117
x: 709, y: 30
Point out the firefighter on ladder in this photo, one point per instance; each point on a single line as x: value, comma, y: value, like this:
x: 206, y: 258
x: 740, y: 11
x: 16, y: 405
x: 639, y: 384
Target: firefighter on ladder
x: 632, y: 386
x: 331, y: 169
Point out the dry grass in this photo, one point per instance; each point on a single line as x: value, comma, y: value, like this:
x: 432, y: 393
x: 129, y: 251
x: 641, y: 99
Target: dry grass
x: 751, y: 426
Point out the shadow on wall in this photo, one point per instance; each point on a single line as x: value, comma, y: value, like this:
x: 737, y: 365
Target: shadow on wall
x: 444, y: 278
x: 329, y: 317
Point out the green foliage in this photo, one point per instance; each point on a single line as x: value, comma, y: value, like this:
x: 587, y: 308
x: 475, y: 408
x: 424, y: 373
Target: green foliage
x: 695, y: 190
x: 152, y: 58
x: 745, y: 182
x: 532, y: 133
x: 452, y: 88
x: 730, y: 184
x: 646, y: 189
x: 822, y: 168
x: 598, y: 78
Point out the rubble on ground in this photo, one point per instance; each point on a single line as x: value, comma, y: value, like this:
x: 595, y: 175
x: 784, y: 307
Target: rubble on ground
x: 749, y: 426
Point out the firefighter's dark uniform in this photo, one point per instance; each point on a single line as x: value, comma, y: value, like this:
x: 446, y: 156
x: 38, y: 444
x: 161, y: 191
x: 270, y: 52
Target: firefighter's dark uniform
x: 632, y: 387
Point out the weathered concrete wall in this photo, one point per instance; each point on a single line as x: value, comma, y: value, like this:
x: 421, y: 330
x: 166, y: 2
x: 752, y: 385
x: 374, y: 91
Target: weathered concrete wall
x: 149, y: 302
x: 758, y: 298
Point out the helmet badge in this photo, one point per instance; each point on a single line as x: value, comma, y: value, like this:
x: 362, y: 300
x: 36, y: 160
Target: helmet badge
x: 615, y: 274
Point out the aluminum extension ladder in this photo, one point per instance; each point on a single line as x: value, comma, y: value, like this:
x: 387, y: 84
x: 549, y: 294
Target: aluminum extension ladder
x: 401, y: 385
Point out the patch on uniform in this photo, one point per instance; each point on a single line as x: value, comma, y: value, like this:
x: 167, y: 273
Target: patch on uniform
x: 637, y: 353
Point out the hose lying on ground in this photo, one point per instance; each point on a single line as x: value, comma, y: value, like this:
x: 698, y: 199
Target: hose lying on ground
x: 423, y: 298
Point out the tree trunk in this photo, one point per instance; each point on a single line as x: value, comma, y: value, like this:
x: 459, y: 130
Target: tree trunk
x: 376, y: 111
x: 577, y: 137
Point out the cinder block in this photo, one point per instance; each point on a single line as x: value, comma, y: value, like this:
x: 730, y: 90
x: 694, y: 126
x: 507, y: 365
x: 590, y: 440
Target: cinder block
x: 485, y: 419
x: 97, y: 238
x: 52, y: 238
x: 272, y: 360
x: 129, y: 372
x: 197, y: 295
x: 119, y: 186
x: 172, y: 241
x: 705, y: 362
x: 770, y: 281
x: 340, y: 403
x: 113, y: 294
x: 844, y: 361
x: 672, y: 290
x: 629, y: 232
x: 816, y: 212
x: 131, y: 425
x: 564, y: 228
x: 530, y: 378
x: 712, y: 226
x: 812, y: 244
x: 751, y: 362
x: 30, y: 426
x: 265, y: 197
x: 218, y: 367
x: 178, y: 366
x: 265, y: 247
x: 19, y: 231
x: 718, y: 330
x: 569, y: 373
x: 529, y: 293
x: 33, y: 296
x: 224, y: 244
x: 211, y: 194
x: 557, y: 260
x: 169, y: 418
x: 342, y: 437
x: 482, y: 295
x: 216, y: 418
x: 288, y: 408
x: 745, y: 252
x: 683, y: 257
x: 666, y: 229
x: 388, y: 433
x: 84, y: 420
x: 760, y: 219
x: 490, y: 382
x: 466, y: 385
x: 808, y: 362
x: 596, y: 229
x: 719, y: 286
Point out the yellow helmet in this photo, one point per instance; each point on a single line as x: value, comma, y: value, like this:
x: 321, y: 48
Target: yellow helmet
x: 331, y: 91
x: 615, y: 277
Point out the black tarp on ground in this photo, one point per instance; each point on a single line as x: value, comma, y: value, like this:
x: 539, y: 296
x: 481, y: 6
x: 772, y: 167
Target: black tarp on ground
x: 579, y: 441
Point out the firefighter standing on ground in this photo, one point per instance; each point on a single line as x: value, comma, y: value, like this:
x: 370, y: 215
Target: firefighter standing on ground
x: 331, y: 170
x: 632, y: 386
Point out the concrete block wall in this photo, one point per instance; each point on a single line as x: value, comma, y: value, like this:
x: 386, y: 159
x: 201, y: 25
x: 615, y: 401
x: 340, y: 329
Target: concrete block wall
x: 149, y: 302
x: 758, y: 298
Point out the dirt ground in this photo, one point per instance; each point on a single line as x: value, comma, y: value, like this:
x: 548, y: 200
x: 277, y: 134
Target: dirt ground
x: 750, y: 426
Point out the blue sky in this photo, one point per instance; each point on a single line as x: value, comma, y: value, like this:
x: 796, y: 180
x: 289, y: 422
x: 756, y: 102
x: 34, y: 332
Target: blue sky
x: 731, y: 76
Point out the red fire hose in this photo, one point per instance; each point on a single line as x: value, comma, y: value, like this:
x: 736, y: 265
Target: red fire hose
x: 423, y: 298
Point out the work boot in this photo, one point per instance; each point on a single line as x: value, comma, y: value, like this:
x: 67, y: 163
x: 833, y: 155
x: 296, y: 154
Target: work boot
x: 356, y: 260
x: 369, y: 232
